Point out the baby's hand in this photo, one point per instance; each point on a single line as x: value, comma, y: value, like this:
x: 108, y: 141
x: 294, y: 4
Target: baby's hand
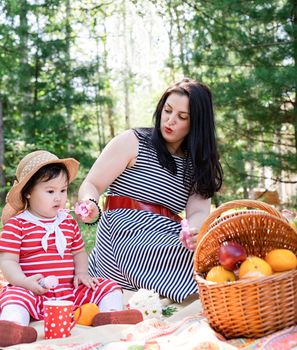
x: 32, y: 283
x: 85, y: 279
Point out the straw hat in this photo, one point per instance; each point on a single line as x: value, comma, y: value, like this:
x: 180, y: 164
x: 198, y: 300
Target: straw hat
x: 27, y: 167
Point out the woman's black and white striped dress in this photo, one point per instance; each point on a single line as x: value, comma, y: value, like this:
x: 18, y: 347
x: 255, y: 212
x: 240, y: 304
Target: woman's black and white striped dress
x: 140, y: 249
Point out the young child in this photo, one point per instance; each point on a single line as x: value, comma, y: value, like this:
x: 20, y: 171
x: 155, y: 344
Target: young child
x: 39, y: 239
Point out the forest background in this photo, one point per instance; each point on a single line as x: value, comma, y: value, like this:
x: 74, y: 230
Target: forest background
x: 73, y: 74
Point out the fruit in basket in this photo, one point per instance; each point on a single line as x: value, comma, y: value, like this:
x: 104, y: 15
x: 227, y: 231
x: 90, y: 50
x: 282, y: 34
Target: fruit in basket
x: 254, y: 267
x: 231, y: 255
x: 220, y: 274
x: 281, y: 260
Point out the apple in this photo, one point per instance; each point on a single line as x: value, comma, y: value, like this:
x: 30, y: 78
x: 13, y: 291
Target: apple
x: 231, y: 255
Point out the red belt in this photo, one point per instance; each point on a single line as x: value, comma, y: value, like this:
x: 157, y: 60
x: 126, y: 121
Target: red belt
x: 121, y: 202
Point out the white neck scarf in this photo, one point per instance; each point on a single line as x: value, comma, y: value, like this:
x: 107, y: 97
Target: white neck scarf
x: 60, y: 239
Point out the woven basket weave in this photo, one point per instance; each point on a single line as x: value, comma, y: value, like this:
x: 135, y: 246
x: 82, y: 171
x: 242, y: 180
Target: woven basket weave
x: 255, y: 307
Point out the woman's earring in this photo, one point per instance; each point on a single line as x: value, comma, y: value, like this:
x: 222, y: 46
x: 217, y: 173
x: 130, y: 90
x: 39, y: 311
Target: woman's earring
x: 28, y: 196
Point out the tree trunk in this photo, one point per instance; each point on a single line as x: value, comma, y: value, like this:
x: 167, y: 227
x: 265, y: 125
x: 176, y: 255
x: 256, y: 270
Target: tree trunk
x: 99, y: 111
x: 110, y: 121
x: 110, y: 118
x: 294, y: 38
x: 68, y: 87
x: 2, y: 149
x: 126, y: 69
x: 24, y: 73
x: 171, y: 40
x: 180, y: 38
x: 35, y: 88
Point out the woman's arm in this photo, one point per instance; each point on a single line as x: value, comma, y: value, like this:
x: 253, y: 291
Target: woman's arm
x: 197, y: 210
x: 120, y: 153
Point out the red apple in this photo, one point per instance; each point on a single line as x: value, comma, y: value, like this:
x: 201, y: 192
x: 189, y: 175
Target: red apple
x: 231, y: 255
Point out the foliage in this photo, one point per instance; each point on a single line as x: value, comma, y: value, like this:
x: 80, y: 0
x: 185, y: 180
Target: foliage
x: 60, y: 95
x: 51, y: 100
x: 169, y: 311
x: 246, y: 51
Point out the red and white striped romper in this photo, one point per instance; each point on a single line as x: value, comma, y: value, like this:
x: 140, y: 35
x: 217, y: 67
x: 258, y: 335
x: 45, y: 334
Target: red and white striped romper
x: 24, y: 239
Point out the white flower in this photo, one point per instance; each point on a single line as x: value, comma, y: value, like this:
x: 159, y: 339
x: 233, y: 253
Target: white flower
x: 148, y: 302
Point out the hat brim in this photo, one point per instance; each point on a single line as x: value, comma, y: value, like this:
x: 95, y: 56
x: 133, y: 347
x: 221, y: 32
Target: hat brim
x: 14, y: 197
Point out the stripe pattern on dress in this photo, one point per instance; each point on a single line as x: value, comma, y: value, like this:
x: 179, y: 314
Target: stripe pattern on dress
x: 140, y: 249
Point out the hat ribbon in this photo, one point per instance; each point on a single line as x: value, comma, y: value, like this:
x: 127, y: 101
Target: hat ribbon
x: 60, y: 239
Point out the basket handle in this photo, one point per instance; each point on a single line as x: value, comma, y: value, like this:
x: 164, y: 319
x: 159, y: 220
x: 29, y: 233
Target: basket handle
x: 235, y: 204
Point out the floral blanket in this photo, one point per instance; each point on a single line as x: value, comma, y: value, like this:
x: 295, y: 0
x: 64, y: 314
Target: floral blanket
x: 186, y: 329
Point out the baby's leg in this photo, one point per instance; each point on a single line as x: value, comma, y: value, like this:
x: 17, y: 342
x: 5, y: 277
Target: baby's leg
x: 14, y: 321
x: 12, y: 333
x: 109, y: 297
x: 112, y: 301
x: 16, y: 304
x: 84, y: 295
x: 15, y: 313
x: 111, y: 311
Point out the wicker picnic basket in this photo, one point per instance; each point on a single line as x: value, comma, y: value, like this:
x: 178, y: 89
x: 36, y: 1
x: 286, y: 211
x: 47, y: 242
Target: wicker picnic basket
x: 254, y: 307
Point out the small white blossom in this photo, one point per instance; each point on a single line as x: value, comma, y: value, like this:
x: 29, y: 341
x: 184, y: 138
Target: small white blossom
x: 148, y: 302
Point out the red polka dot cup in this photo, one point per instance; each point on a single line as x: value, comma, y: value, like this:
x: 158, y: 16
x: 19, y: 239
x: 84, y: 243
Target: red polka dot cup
x: 58, y: 318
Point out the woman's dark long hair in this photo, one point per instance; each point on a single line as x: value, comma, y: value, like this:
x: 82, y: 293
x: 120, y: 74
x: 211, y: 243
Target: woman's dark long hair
x: 200, y: 148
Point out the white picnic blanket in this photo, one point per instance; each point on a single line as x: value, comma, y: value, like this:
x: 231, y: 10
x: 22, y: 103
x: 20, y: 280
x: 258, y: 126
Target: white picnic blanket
x: 185, y: 329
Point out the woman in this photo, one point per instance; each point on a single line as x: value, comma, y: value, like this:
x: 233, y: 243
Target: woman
x: 151, y: 176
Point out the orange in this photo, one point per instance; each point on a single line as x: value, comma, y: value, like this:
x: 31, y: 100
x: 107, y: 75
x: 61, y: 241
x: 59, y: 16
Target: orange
x: 88, y: 311
x: 254, y: 267
x: 220, y: 274
x: 281, y: 260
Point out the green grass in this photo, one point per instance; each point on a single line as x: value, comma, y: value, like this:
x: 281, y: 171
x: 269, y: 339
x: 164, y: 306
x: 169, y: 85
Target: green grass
x: 89, y: 235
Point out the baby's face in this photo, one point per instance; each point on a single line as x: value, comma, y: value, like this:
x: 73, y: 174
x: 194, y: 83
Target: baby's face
x: 47, y: 197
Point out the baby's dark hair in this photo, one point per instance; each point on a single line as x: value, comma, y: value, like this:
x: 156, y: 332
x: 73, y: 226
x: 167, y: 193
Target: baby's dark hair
x: 44, y: 174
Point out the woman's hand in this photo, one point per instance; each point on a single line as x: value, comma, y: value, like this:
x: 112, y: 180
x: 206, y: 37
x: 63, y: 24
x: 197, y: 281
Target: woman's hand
x: 87, y: 211
x: 197, y: 210
x: 86, y: 279
x: 189, y: 238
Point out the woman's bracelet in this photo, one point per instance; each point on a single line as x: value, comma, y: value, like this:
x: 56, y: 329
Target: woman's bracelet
x: 99, y: 211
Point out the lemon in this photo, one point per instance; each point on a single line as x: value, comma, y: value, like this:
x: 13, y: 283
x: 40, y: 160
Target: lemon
x: 281, y: 260
x: 220, y: 274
